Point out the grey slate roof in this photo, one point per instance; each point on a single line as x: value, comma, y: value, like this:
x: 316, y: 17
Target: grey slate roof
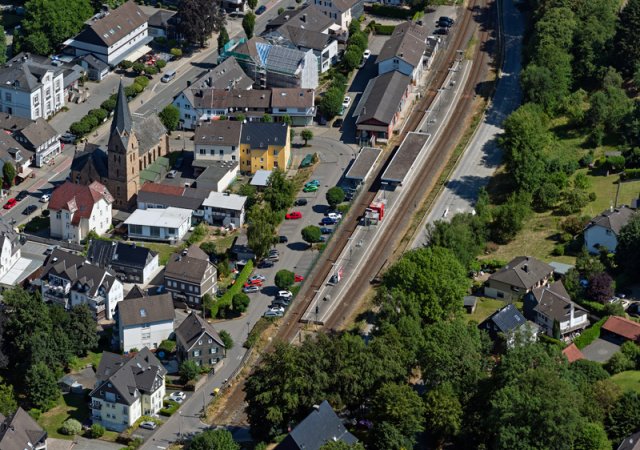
x: 192, y: 328
x: 309, y: 18
x: 160, y: 19
x: 145, y: 310
x: 149, y: 131
x: 127, y: 377
x: 379, y: 107
x: 300, y: 37
x: 12, y: 123
x: 613, y: 220
x: 523, y: 272
x: 321, y: 426
x: 94, y: 62
x: 7, y: 233
x: 405, y: 46
x: 226, y: 75
x: 38, y: 133
x: 20, y: 431
x: 554, y: 302
x: 94, y: 155
x: 190, y: 267
x: 121, y: 122
x: 222, y: 99
x: 24, y: 72
x: 507, y: 319
x: 75, y: 269
x: 9, y: 147
x: 631, y: 443
x: 344, y: 5
x: 114, y: 26
x: 175, y: 201
x: 219, y: 132
x: 261, y: 135
x: 104, y: 253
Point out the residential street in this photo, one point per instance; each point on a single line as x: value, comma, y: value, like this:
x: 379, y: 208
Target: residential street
x: 482, y: 156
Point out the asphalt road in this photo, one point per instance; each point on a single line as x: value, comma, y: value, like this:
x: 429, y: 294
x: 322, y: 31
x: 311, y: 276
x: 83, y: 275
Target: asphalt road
x: 483, y: 156
x: 295, y: 256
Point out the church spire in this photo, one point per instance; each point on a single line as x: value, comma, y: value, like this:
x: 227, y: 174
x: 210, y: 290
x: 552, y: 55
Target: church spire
x: 122, y: 116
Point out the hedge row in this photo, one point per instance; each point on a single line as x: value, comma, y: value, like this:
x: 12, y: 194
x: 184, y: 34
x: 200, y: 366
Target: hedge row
x: 384, y: 30
x: 170, y: 407
x: 630, y: 174
x: 388, y: 11
x: 225, y: 300
x: 590, y: 334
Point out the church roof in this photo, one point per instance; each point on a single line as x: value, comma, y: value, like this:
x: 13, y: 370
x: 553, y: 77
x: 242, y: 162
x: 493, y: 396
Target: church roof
x: 122, y: 116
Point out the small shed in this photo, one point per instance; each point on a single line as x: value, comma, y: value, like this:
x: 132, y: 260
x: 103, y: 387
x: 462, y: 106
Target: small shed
x: 69, y: 384
x: 261, y: 178
x: 560, y: 269
x: 470, y: 303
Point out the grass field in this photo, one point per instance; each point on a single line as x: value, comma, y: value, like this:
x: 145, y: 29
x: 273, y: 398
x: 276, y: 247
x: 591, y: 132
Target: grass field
x: 70, y: 406
x: 628, y: 381
x: 486, y: 307
x: 93, y: 358
x: 164, y: 250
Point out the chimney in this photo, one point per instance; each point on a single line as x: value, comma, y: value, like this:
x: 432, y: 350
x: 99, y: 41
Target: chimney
x: 304, y: 18
x: 316, y: 407
x: 525, y: 268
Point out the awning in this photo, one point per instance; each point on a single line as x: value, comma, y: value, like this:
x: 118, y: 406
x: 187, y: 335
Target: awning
x: 26, y: 173
x: 134, y: 53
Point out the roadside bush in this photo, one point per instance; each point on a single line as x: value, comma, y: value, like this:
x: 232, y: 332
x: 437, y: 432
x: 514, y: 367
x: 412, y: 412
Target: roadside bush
x: 167, y: 346
x: 227, y: 298
x: 170, y: 407
x: 96, y: 431
x: 590, y: 334
x: 284, y: 279
x: 161, y: 64
x: 619, y: 362
x: 176, y: 52
x: 383, y: 30
x: 240, y: 302
x: 630, y: 174
x: 91, y: 121
x: 100, y: 114
x: 188, y: 370
x: 130, y: 91
x: 71, y: 427
x: 142, y: 81
x: 227, y: 340
x: 109, y: 104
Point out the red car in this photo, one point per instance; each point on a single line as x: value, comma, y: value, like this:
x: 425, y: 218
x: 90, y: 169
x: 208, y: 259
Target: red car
x: 253, y: 283
x: 293, y: 215
x: 298, y: 278
x: 10, y: 203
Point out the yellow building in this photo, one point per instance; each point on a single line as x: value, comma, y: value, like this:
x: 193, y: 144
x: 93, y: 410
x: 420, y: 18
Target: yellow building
x: 265, y: 146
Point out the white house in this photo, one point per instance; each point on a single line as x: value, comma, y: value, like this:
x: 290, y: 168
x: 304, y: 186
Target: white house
x: 76, y: 209
x: 404, y: 51
x: 224, y: 209
x: 126, y: 389
x: 42, y: 139
x: 30, y: 87
x: 68, y: 280
x: 217, y: 141
x: 11, y: 151
x: 323, y: 45
x: 603, y: 230
x: 132, y: 263
x: 297, y: 103
x: 551, y: 307
x: 517, y: 278
x: 342, y: 12
x: 9, y: 247
x: 168, y: 224
x: 113, y: 36
x: 144, y: 321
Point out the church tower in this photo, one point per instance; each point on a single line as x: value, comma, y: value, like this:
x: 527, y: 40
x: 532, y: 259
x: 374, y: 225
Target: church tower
x: 123, y: 155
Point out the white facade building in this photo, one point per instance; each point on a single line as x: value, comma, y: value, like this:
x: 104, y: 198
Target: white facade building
x: 224, y: 209
x: 115, y: 35
x: 30, y: 88
x: 551, y: 307
x: 127, y: 388
x: 9, y: 248
x: 144, y: 321
x: 603, y: 230
x: 75, y: 210
x: 41, y: 138
x: 169, y: 224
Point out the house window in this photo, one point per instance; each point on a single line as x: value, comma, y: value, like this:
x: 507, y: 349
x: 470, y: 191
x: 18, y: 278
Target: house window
x: 203, y: 151
x: 200, y: 342
x: 500, y: 294
x: 59, y: 215
x: 210, y: 340
x: 146, y: 335
x: 7, y: 96
x: 196, y: 353
x: 213, y: 350
x: 221, y: 152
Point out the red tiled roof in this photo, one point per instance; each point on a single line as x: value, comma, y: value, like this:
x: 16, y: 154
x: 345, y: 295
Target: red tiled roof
x: 78, y: 198
x: 626, y: 328
x: 163, y: 189
x: 572, y: 353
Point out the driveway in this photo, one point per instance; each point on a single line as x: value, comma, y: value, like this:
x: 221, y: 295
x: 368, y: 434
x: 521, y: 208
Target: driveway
x: 81, y: 444
x: 600, y: 350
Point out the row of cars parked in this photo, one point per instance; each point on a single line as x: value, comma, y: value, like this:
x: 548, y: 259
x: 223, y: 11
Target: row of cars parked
x: 444, y: 24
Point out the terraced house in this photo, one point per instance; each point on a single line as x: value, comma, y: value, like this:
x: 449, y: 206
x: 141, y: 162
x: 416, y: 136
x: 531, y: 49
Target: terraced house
x: 264, y: 146
x: 199, y: 342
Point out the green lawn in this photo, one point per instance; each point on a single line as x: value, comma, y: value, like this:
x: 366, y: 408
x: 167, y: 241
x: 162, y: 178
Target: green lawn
x: 164, y: 250
x: 485, y: 307
x: 605, y: 189
x: 77, y: 364
x: 628, y: 381
x: 71, y: 405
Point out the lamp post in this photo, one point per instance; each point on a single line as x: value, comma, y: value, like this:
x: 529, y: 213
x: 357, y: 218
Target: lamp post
x: 180, y: 424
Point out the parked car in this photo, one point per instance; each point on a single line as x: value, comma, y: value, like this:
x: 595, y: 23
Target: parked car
x: 293, y: 215
x: 253, y: 283
x: 441, y: 31
x: 445, y: 23
x: 335, y: 216
x: 265, y: 264
x: 172, y: 173
x: 258, y: 277
x: 279, y: 303
x: 283, y: 239
x: 261, y: 9
x: 29, y: 210
x: 346, y: 103
x: 298, y: 278
x: 323, y: 239
x: 310, y: 188
x: 300, y: 202
x: 274, y: 252
x: 366, y: 54
x: 312, y: 183
x: 22, y: 195
x: 273, y: 313
x: 68, y: 138
x: 178, y: 396
x: 149, y: 425
x: 338, y: 123
x: 446, y: 19
x: 250, y: 289
x: 45, y: 198
x: 10, y: 203
x: 326, y: 230
x: 285, y: 294
x: 277, y: 308
x: 328, y: 221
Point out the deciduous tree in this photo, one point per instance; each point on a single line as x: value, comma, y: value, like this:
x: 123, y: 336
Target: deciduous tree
x: 307, y: 135
x: 213, y: 440
x: 249, y: 23
x: 284, y: 279
x: 42, y: 386
x: 628, y: 249
x: 223, y: 38
x: 198, y: 19
x: 170, y: 117
x: 311, y: 234
x: 335, y: 196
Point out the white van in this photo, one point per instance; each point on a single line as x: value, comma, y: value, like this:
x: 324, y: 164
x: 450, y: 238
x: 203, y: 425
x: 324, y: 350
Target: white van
x: 168, y: 76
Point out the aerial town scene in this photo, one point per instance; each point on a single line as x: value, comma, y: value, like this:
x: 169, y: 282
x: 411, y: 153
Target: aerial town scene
x: 320, y: 224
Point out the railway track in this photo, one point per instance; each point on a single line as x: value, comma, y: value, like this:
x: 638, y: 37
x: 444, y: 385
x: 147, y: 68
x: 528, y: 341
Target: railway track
x: 291, y: 326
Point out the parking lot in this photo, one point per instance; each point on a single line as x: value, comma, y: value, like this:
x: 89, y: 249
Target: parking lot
x: 600, y: 350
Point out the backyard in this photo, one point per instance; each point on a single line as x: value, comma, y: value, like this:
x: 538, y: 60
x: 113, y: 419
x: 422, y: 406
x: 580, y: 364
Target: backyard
x: 628, y: 380
x: 485, y: 307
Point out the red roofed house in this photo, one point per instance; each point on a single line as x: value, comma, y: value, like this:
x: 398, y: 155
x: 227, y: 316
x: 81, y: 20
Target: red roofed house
x: 75, y: 209
x: 572, y: 353
x: 621, y: 329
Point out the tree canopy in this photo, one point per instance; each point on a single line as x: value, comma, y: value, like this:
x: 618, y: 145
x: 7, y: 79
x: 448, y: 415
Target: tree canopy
x: 198, y: 19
